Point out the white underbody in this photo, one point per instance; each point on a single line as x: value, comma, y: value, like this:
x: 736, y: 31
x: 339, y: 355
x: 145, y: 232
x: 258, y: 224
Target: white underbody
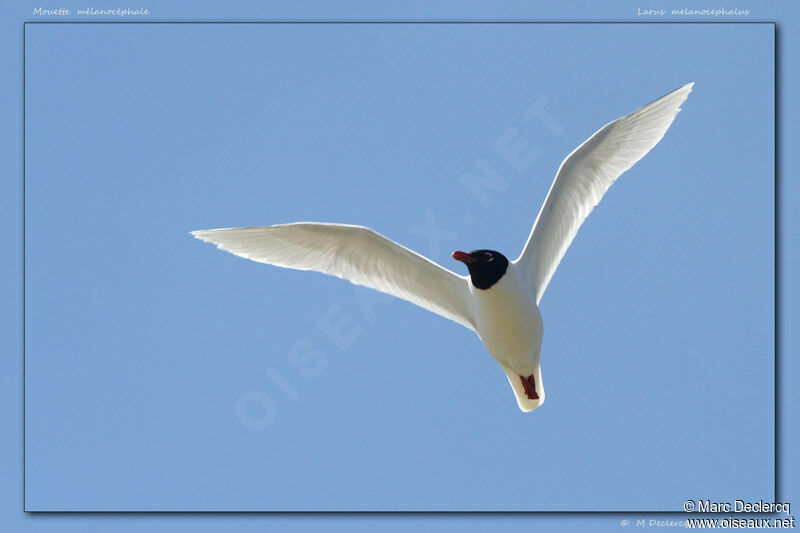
x: 510, y: 326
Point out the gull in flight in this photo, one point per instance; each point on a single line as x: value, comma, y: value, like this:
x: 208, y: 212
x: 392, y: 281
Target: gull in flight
x: 499, y: 298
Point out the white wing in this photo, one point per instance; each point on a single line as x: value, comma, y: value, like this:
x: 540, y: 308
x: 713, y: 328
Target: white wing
x: 357, y: 254
x: 585, y: 176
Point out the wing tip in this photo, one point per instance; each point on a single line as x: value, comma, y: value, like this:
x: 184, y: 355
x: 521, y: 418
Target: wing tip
x: 200, y: 234
x: 207, y: 235
x: 683, y: 92
x: 670, y: 103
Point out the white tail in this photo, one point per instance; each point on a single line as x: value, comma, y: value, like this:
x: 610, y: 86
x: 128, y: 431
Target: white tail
x: 515, y: 380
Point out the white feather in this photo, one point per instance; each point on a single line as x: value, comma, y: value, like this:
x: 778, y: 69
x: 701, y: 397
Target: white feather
x: 354, y: 253
x: 585, y: 176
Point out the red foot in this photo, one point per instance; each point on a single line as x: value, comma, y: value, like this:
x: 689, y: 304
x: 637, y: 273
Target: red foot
x: 529, y: 384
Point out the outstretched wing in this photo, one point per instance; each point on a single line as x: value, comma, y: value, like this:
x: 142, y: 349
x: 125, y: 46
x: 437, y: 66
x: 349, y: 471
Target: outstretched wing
x: 357, y: 254
x: 585, y: 176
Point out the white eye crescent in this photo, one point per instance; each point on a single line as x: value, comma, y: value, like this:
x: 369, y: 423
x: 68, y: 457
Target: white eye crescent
x: 489, y: 257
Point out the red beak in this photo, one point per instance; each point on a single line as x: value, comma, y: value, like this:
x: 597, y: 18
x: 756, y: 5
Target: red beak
x: 463, y: 257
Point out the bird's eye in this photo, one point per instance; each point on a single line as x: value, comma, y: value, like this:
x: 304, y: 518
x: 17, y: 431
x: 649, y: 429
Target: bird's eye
x: 488, y: 257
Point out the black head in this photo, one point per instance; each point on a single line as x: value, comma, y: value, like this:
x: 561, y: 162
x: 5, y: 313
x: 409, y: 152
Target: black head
x: 486, y: 267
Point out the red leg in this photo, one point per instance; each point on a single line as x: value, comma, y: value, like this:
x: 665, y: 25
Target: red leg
x: 529, y: 384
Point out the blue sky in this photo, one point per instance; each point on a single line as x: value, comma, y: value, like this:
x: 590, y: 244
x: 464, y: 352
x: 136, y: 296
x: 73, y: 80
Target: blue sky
x: 167, y: 353
x: 142, y: 342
